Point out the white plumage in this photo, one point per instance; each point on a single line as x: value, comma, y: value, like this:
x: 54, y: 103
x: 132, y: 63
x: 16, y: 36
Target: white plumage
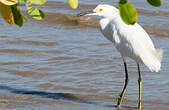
x: 130, y: 40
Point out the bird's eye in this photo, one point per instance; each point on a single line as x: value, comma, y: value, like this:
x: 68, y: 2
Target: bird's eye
x: 100, y: 10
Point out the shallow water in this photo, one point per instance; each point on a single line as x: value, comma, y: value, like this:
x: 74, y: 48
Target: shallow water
x: 65, y: 63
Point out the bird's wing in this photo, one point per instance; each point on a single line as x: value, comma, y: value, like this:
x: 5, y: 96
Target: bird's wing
x: 137, y: 34
x: 143, y: 36
x: 134, y: 42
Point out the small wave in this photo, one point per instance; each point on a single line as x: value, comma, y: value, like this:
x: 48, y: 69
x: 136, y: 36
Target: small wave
x: 14, y: 63
x: 26, y: 51
x: 32, y: 42
x: 23, y: 73
x: 62, y: 58
x: 153, y: 13
x: 157, y: 31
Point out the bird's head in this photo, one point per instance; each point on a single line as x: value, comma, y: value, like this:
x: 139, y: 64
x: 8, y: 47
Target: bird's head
x: 103, y: 10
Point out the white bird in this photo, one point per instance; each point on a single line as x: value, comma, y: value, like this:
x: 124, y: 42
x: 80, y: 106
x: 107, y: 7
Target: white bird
x: 130, y: 40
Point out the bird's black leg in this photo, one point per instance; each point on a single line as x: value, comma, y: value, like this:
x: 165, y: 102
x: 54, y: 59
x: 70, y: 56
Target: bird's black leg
x: 120, y: 98
x: 139, y: 82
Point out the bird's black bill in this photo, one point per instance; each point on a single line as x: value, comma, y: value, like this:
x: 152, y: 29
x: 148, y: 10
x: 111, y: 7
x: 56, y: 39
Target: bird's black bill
x: 84, y: 13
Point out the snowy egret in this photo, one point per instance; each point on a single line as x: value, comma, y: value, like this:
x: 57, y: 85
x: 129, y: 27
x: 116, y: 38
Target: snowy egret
x: 130, y: 40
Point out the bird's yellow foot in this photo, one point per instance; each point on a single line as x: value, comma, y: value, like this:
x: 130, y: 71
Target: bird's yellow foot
x: 119, y: 102
x: 139, y: 105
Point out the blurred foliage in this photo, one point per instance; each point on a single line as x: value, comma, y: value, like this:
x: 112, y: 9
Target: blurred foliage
x: 73, y: 3
x: 37, y: 2
x: 35, y: 13
x: 12, y: 14
x: 8, y: 2
x: 18, y: 17
x: 6, y: 13
x: 156, y: 3
x: 127, y: 12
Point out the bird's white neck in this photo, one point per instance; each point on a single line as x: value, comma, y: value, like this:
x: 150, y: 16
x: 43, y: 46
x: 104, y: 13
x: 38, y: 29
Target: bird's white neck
x: 115, y: 19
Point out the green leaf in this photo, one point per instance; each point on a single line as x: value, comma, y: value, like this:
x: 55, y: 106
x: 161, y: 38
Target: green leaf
x: 73, y: 3
x: 37, y: 2
x: 122, y: 1
x: 22, y: 1
x: 127, y: 12
x: 18, y: 16
x: 25, y: 18
x: 35, y: 13
x: 155, y: 3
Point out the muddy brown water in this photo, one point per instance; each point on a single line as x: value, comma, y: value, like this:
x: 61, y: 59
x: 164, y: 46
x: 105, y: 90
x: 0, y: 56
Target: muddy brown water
x: 65, y: 63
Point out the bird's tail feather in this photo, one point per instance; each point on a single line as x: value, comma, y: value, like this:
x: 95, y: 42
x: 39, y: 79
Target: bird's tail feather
x: 154, y: 67
x: 158, y: 54
x: 153, y: 62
